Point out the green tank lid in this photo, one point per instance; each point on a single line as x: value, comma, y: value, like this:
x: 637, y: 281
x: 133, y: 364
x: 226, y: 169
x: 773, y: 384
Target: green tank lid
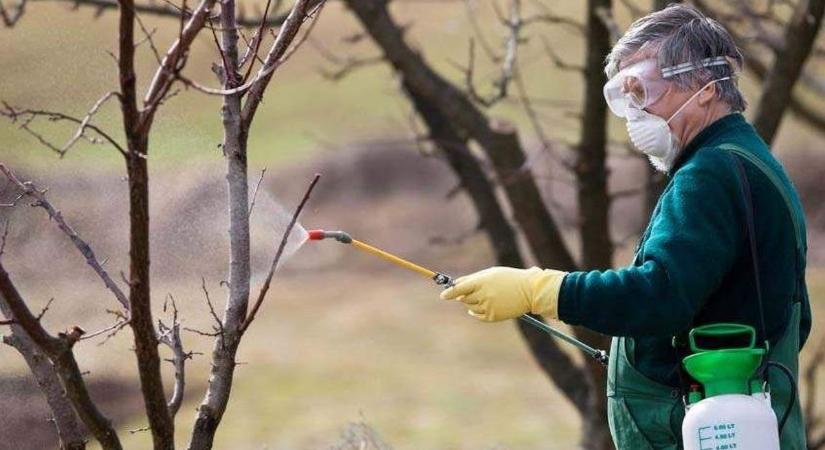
x: 723, y: 370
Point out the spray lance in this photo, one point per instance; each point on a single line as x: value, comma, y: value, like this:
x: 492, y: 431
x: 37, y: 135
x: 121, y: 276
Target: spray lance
x: 446, y: 281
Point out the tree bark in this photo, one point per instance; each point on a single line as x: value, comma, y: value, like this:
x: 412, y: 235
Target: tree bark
x: 497, y: 138
x: 594, y: 209
x: 500, y: 142
x: 559, y: 367
x: 237, y: 119
x: 70, y: 435
x: 140, y: 301
x: 211, y: 410
x: 59, y: 351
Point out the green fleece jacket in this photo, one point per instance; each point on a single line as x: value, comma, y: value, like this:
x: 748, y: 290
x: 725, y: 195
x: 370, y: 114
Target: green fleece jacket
x: 693, y: 263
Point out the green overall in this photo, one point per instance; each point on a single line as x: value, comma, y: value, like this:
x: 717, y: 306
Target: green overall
x: 644, y: 414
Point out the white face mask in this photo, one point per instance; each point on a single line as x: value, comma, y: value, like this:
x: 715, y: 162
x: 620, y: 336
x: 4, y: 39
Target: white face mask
x: 652, y: 135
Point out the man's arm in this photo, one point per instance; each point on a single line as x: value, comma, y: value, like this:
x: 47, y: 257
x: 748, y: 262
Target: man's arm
x: 692, y: 244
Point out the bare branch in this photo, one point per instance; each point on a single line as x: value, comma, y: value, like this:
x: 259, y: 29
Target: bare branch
x: 109, y: 331
x: 70, y: 433
x: 345, y: 65
x: 26, y: 116
x: 259, y: 34
x: 299, y: 12
x: 45, y: 308
x: 264, y: 73
x: 249, y: 47
x: 85, y: 122
x: 549, y: 18
x: 278, y: 254
x: 148, y: 38
x: 173, y: 62
x: 556, y: 59
x: 547, y: 147
x: 254, y: 193
x: 170, y: 336
x: 218, y: 329
x: 477, y: 32
x: 501, y: 84
x: 313, y: 17
x: 39, y: 196
x: 168, y: 9
x: 59, y: 351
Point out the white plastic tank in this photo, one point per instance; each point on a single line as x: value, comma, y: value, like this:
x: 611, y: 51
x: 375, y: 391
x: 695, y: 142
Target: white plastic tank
x: 731, y: 421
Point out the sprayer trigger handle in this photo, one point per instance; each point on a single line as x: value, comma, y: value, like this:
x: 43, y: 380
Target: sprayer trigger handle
x: 443, y: 280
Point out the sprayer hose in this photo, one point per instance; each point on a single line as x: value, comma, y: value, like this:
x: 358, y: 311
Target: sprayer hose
x: 789, y: 375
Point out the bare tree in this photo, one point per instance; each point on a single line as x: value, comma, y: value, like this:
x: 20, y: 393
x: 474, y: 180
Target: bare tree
x: 69, y: 396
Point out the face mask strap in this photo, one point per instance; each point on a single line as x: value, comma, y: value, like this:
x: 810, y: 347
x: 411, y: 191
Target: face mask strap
x: 687, y: 102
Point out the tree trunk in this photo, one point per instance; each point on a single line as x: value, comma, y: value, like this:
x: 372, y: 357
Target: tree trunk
x: 594, y: 209
x: 225, y: 348
x: 140, y: 301
x: 557, y: 364
x: 788, y: 63
x: 70, y: 435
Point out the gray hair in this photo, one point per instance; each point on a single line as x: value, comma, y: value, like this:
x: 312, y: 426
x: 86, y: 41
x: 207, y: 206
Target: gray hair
x: 680, y: 34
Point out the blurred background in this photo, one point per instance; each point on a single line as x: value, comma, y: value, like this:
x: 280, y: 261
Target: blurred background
x: 342, y: 339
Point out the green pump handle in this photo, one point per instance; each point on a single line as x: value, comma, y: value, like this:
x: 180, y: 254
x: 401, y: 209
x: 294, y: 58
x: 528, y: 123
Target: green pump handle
x: 721, y: 331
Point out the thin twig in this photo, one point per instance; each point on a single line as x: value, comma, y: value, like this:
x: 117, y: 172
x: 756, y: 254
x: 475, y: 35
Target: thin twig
x: 85, y: 122
x: 117, y: 326
x: 26, y: 116
x: 556, y: 59
x: 45, y: 308
x: 170, y: 336
x: 278, y: 254
x: 40, y: 200
x: 254, y: 194
x: 263, y: 73
x: 260, y: 34
x: 148, y: 38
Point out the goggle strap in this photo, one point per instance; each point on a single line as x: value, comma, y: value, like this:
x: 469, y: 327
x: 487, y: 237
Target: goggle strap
x: 671, y: 71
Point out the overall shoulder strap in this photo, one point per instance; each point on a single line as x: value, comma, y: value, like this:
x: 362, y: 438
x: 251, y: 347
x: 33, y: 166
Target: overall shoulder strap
x: 745, y: 190
x: 777, y: 183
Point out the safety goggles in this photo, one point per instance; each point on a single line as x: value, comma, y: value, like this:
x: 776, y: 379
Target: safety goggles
x: 639, y: 85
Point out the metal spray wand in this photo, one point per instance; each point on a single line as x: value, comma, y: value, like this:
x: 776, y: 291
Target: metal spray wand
x: 445, y: 280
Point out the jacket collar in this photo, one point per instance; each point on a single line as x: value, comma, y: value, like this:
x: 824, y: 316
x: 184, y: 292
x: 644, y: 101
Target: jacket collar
x: 715, y: 133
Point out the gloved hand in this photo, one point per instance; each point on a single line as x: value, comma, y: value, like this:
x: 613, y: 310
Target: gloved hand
x: 501, y: 293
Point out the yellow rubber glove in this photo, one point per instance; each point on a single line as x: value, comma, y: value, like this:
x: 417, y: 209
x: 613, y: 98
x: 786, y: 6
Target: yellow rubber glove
x: 501, y: 293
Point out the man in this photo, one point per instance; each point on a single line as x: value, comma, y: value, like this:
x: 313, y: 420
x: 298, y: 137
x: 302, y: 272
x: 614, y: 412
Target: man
x: 672, y: 77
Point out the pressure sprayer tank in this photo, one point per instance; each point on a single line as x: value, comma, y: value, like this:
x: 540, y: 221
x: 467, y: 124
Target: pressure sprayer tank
x: 734, y: 412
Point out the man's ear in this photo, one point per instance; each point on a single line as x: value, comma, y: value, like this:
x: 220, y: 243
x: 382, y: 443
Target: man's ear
x: 706, y: 95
